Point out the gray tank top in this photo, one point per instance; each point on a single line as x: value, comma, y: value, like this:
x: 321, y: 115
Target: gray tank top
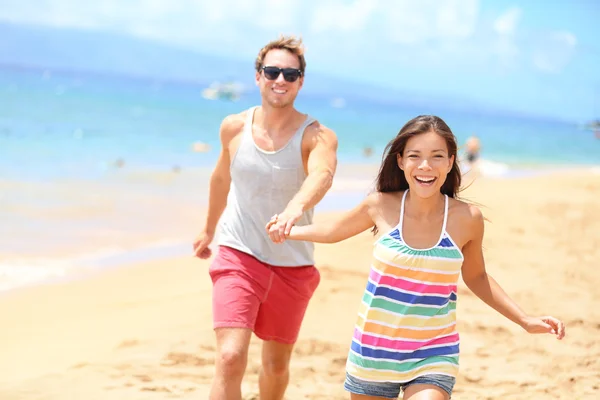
x: 262, y: 184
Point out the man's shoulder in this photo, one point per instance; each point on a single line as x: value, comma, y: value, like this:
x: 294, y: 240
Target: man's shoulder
x: 235, y: 121
x: 318, y: 131
x: 233, y: 124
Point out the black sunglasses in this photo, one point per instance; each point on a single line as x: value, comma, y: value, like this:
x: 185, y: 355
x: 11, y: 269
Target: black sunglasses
x: 289, y: 74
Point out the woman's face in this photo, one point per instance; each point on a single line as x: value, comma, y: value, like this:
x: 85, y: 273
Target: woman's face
x: 426, y: 163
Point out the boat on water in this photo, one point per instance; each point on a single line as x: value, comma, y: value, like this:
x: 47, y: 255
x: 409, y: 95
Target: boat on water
x: 230, y: 91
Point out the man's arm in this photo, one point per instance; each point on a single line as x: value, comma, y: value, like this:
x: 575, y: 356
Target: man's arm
x: 220, y: 179
x: 321, y: 164
x: 219, y: 184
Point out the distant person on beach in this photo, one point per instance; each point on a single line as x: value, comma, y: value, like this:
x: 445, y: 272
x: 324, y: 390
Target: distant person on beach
x: 405, y: 337
x: 273, y: 159
x: 472, y: 151
x: 119, y: 163
x: 199, y: 147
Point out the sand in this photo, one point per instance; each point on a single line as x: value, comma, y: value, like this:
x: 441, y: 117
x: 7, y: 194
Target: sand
x: 144, y: 331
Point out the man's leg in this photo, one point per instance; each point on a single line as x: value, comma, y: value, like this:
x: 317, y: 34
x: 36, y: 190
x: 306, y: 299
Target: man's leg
x: 278, y: 324
x: 275, y: 372
x: 239, y: 284
x: 230, y: 363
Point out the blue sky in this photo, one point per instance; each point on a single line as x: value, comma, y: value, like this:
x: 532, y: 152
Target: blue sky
x: 538, y: 57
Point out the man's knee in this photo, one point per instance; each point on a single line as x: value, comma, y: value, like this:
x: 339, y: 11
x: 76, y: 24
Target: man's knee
x: 276, y: 358
x: 232, y: 353
x: 276, y: 367
x: 232, y: 361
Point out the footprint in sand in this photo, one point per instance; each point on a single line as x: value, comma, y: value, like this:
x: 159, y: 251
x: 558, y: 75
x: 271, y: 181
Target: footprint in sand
x: 526, y: 384
x: 472, y: 378
x: 128, y: 343
x: 314, y: 347
x: 162, y: 389
x: 339, y: 361
x: 143, y: 378
x: 498, y: 331
x: 335, y: 273
x: 482, y: 352
x: 184, y: 359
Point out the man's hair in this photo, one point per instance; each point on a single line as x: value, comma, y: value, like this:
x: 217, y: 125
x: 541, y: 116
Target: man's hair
x: 290, y: 43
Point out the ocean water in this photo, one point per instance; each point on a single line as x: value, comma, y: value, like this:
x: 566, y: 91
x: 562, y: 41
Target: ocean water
x: 95, y: 170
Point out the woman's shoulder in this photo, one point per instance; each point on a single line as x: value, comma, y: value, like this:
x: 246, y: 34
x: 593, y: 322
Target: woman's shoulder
x: 465, y: 212
x: 380, y: 198
x: 465, y: 221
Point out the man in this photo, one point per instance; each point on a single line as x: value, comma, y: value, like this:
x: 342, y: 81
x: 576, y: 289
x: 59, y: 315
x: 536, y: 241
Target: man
x: 274, y: 160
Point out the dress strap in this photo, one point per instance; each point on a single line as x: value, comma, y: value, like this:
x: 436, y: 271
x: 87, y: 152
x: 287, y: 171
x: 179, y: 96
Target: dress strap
x: 445, y: 214
x: 401, y: 223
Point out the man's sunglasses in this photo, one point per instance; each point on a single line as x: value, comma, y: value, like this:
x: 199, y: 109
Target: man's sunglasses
x: 289, y: 74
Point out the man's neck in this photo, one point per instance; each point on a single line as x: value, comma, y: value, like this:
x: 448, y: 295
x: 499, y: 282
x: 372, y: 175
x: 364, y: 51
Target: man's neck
x: 276, y: 119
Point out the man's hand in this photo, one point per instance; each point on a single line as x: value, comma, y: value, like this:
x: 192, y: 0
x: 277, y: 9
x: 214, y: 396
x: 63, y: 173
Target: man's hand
x: 280, y: 225
x: 201, y: 244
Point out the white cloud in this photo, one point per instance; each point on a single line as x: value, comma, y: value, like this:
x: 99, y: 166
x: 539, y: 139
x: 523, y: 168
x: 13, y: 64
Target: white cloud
x: 554, y: 52
x: 504, y: 48
x: 405, y: 20
x: 506, y: 23
x: 412, y: 22
x: 390, y: 32
x: 457, y: 18
x: 402, y: 31
x: 156, y: 18
x: 337, y: 16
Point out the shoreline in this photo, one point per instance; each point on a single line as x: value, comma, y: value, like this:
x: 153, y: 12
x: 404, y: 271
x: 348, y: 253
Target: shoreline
x: 349, y: 188
x: 105, y: 171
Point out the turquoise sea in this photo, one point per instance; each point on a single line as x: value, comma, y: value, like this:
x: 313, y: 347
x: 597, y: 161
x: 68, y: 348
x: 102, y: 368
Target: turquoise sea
x: 66, y: 205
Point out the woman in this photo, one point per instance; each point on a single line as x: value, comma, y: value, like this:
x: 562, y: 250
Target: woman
x: 405, y: 337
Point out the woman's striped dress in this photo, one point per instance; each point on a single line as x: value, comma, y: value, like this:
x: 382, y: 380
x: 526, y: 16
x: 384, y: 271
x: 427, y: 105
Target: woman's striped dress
x: 406, y: 324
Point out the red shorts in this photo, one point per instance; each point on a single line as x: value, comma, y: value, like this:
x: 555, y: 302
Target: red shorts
x: 269, y: 300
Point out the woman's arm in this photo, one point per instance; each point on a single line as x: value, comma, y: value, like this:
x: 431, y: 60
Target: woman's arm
x: 346, y: 225
x: 487, y: 289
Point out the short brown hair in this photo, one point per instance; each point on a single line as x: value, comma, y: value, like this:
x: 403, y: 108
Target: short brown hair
x: 290, y: 43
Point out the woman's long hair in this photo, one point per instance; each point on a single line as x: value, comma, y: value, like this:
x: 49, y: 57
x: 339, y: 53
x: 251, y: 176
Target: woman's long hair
x: 392, y: 179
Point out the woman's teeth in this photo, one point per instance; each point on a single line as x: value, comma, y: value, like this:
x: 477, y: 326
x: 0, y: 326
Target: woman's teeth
x: 424, y: 179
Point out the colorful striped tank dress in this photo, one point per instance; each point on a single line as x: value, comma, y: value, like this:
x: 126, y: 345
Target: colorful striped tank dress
x: 406, y: 325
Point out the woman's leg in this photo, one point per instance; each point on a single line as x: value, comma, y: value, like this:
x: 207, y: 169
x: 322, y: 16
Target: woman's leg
x: 364, y: 390
x: 425, y: 392
x: 354, y: 396
x: 429, y: 387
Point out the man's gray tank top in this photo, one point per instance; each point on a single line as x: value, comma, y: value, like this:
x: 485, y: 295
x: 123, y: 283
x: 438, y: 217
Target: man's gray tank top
x: 262, y: 184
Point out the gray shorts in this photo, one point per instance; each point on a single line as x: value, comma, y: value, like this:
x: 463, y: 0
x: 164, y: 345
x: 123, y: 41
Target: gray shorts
x: 392, y: 390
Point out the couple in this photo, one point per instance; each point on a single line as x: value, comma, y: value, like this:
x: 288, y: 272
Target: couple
x: 275, y: 160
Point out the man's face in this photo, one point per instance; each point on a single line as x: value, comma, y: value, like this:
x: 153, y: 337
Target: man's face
x: 274, y: 88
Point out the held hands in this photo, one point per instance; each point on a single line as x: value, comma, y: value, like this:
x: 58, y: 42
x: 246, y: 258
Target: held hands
x: 201, y: 244
x: 545, y: 325
x: 279, y: 226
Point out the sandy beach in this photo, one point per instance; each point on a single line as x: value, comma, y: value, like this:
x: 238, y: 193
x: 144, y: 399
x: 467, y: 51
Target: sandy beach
x: 143, y: 331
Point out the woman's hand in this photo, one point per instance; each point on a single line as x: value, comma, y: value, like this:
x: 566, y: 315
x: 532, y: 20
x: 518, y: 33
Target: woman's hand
x: 544, y: 325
